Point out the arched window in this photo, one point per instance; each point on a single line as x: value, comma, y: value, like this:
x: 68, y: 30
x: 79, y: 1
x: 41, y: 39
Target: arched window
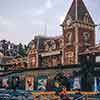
x: 53, y: 44
x: 69, y: 57
x: 86, y: 37
x: 69, y: 38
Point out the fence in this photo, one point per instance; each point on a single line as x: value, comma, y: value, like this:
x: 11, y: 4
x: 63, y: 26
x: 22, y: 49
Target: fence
x: 71, y: 94
x: 51, y: 95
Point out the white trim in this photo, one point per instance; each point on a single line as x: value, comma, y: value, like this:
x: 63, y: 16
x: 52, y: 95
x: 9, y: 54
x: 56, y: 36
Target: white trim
x: 50, y: 53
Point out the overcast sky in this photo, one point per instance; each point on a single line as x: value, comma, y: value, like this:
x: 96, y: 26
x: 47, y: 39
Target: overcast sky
x: 20, y: 20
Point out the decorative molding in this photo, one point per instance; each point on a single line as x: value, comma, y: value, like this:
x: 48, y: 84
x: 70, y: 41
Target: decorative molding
x: 79, y: 24
x: 69, y: 38
x: 50, y: 53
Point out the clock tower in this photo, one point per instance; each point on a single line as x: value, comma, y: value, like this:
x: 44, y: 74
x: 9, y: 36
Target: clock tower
x: 78, y: 31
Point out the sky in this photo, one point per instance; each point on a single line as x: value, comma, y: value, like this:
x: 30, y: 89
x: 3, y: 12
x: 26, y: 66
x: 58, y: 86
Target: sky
x: 21, y: 20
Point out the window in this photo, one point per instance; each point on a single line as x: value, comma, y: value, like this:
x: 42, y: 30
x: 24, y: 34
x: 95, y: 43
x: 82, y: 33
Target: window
x: 33, y: 61
x: 86, y: 38
x: 97, y: 59
x: 54, y: 60
x: 44, y: 62
x: 69, y: 57
x: 69, y: 38
x: 53, y: 43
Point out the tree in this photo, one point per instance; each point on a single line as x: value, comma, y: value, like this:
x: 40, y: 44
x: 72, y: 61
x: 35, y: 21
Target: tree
x: 25, y: 49
x: 10, y: 49
x: 21, y: 50
x: 4, y: 46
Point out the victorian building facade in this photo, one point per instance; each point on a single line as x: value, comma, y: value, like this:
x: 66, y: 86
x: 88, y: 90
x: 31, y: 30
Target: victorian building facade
x: 78, y: 34
x: 46, y: 52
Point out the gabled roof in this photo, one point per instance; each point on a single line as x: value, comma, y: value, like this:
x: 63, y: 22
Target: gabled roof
x: 77, y: 11
x: 40, y: 40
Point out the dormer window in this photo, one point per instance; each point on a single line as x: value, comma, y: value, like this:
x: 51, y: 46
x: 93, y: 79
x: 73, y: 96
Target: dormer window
x: 53, y: 43
x: 69, y: 38
x: 50, y: 45
x: 61, y: 42
x: 69, y: 57
x: 86, y: 37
